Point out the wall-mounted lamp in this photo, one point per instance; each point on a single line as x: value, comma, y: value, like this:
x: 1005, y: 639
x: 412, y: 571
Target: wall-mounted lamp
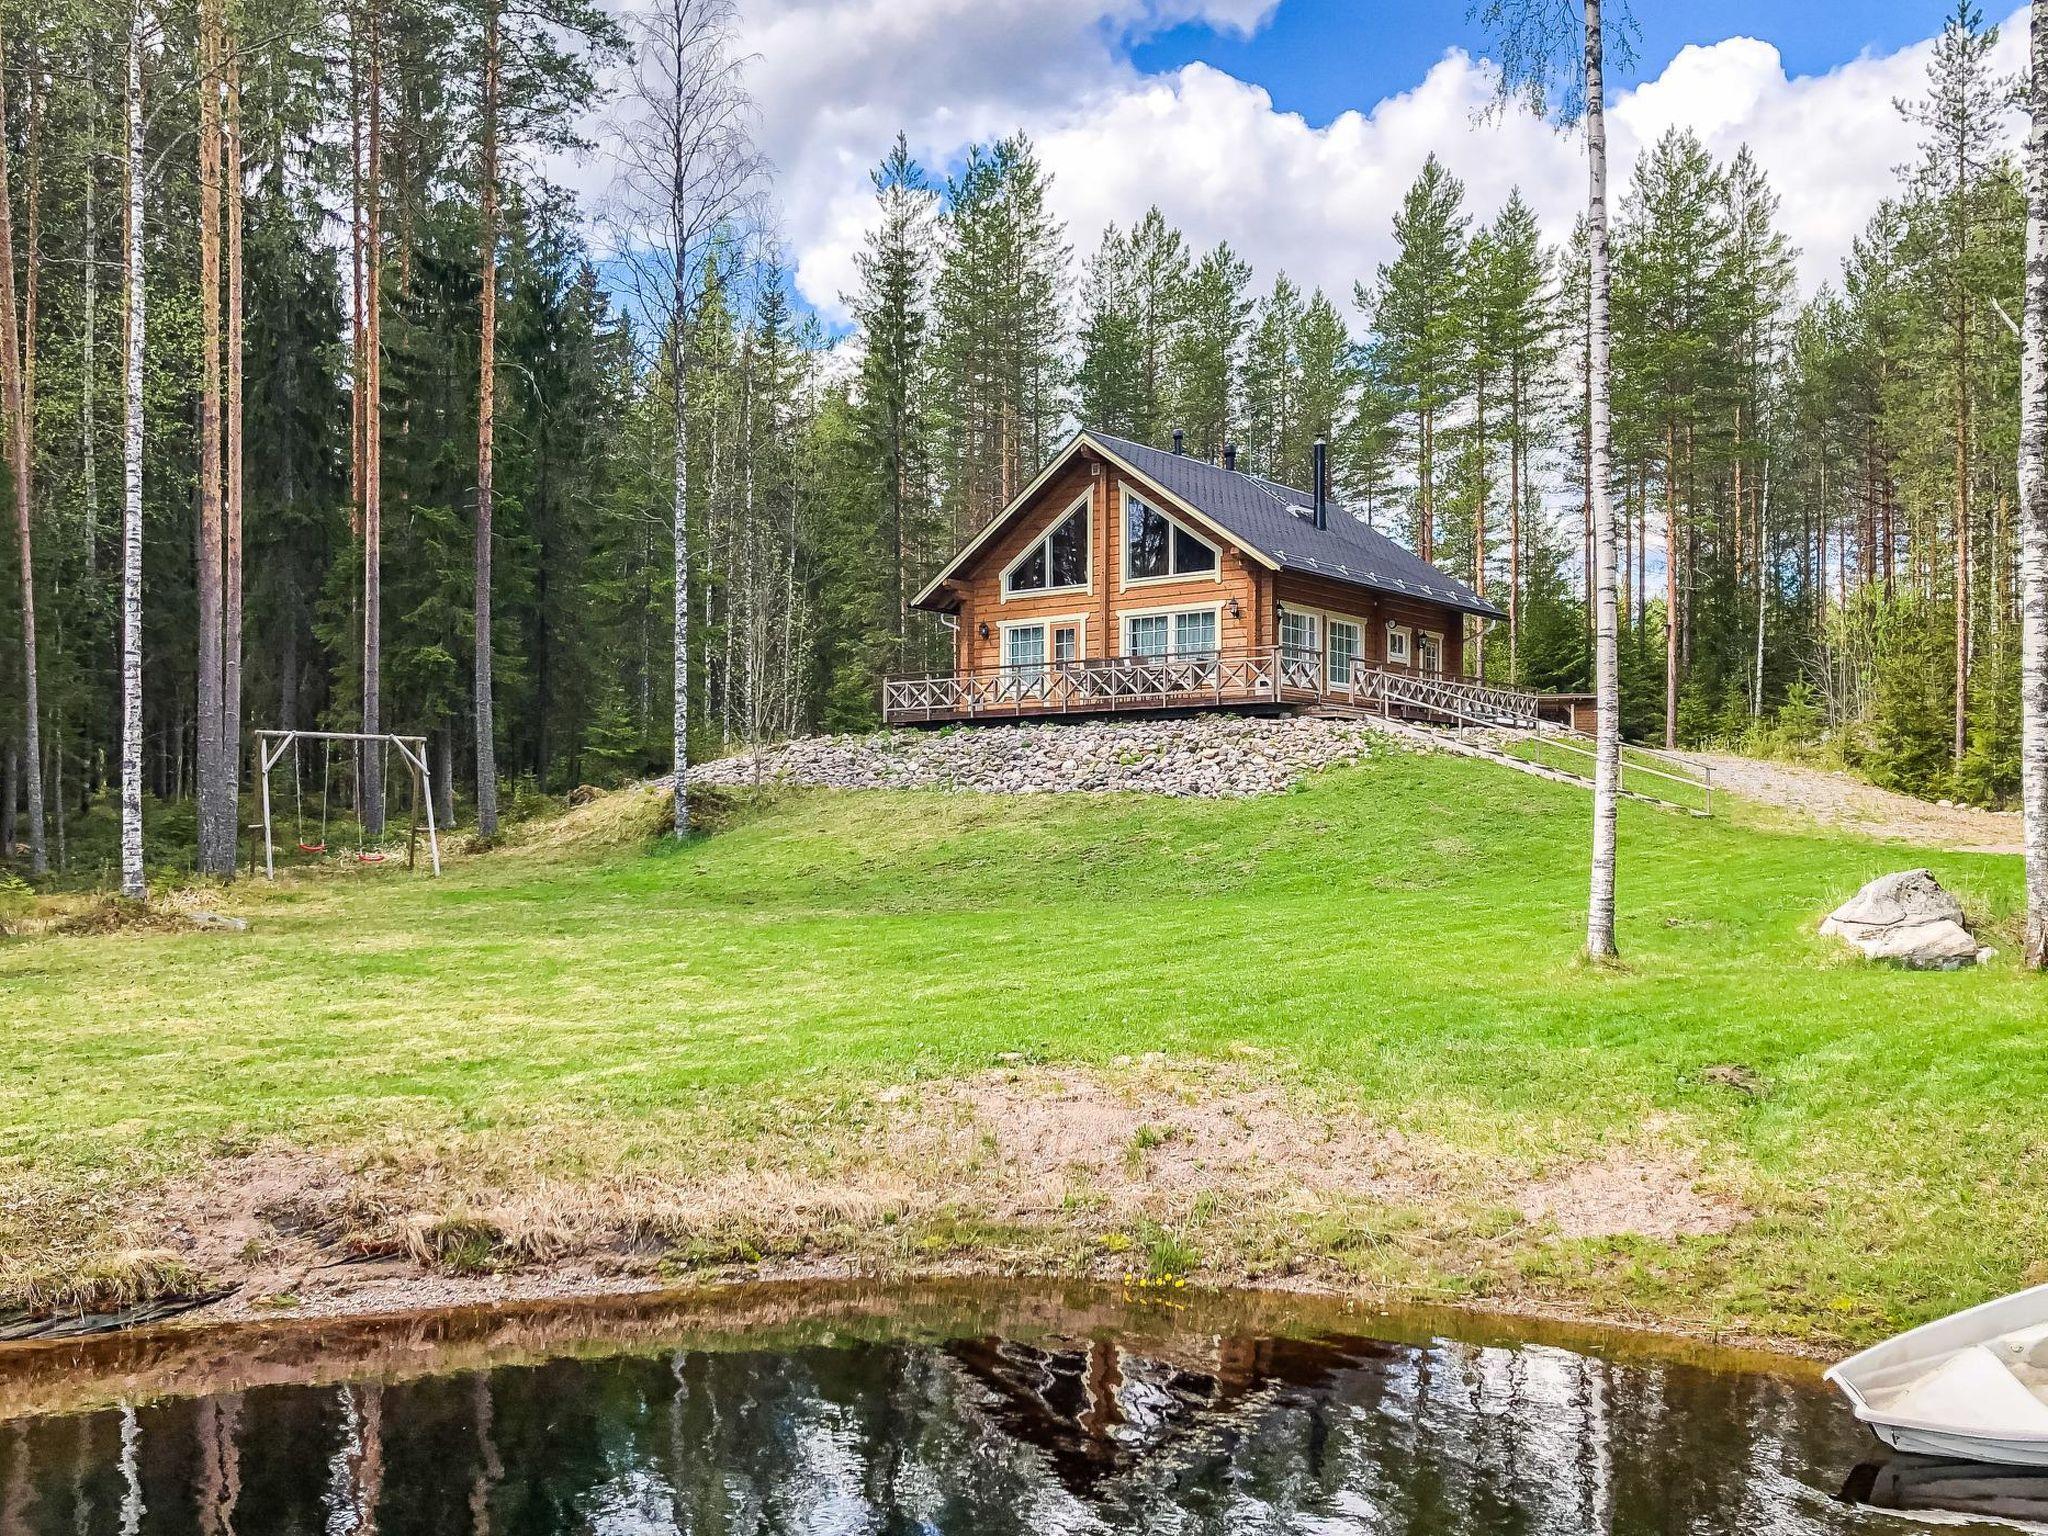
x: 982, y: 631
x: 1236, y: 609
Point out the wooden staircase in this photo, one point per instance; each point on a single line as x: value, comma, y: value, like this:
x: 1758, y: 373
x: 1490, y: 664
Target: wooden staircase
x: 1480, y: 720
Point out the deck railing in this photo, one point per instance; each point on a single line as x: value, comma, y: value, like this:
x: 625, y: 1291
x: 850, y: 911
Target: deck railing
x: 1645, y: 771
x: 1103, y: 683
x: 1376, y: 686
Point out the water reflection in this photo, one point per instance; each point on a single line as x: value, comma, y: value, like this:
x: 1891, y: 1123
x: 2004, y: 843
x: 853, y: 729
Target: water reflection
x: 1037, y: 1428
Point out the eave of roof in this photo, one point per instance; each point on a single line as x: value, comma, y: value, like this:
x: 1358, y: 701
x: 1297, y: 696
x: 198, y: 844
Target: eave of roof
x: 1267, y: 521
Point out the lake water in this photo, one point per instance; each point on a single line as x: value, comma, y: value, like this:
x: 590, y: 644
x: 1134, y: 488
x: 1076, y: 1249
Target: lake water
x: 973, y: 1409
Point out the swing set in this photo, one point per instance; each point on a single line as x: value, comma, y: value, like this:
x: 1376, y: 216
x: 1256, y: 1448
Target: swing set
x: 271, y: 746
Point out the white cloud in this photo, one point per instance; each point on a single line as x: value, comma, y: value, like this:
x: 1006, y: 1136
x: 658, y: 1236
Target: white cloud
x: 835, y: 79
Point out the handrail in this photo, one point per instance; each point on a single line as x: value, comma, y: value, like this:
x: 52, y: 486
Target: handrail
x: 1486, y: 706
x: 1101, y: 682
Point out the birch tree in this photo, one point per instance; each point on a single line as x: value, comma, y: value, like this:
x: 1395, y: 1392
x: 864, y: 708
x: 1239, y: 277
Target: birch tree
x: 1553, y: 54
x: 132, y: 884
x: 687, y: 166
x: 2033, y: 483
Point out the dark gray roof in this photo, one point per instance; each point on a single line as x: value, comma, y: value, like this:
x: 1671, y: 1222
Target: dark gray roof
x: 1277, y: 521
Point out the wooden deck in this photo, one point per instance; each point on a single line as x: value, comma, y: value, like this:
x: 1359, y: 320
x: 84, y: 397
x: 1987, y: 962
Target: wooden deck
x: 1480, y: 719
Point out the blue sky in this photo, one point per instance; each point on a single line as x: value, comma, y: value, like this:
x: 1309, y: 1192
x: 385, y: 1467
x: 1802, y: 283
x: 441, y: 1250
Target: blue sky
x: 1320, y: 57
x: 1292, y: 129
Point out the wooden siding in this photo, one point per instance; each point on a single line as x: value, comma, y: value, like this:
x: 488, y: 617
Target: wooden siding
x: 1108, y: 598
x: 1375, y: 610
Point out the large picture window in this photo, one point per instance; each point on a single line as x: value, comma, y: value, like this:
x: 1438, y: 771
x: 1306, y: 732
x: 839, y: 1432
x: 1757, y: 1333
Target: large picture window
x: 1056, y: 563
x: 1024, y: 646
x: 1187, y: 635
x: 1155, y: 546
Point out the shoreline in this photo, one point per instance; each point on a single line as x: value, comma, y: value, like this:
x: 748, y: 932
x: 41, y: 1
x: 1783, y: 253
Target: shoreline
x: 397, y: 1327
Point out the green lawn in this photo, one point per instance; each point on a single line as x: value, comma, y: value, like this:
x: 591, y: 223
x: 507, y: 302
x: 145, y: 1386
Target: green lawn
x: 1395, y: 942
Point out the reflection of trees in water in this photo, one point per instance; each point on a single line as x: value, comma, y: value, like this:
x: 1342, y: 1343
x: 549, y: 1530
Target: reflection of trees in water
x: 991, y: 1436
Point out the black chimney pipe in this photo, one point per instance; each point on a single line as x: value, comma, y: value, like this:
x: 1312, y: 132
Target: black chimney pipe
x: 1230, y: 455
x: 1177, y: 436
x: 1322, y: 470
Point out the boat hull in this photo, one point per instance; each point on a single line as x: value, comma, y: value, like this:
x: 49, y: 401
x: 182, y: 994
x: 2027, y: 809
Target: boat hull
x: 1873, y: 1379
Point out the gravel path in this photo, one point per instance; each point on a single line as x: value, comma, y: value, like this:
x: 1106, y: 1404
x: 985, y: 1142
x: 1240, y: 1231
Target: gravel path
x: 1838, y: 800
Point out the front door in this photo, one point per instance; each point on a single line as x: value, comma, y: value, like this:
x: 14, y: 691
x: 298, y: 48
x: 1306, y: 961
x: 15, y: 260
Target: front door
x: 1429, y: 655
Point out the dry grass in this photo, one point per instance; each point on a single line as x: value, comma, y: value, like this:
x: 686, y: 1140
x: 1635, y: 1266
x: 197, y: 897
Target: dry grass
x: 1155, y: 1167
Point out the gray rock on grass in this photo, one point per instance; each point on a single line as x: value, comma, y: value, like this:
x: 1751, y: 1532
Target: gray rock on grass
x: 1908, y: 919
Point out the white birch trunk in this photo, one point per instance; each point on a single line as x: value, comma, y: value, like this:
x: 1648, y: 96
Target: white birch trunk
x: 2033, y: 482
x: 1606, y: 652
x: 132, y: 884
x: 681, y: 573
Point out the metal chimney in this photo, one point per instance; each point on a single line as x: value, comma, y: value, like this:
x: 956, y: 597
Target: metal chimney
x: 1178, y: 437
x: 1322, y: 472
x: 1230, y: 456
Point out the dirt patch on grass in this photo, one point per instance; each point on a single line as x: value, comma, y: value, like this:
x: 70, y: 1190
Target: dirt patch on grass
x: 1152, y: 1168
x: 1628, y: 1194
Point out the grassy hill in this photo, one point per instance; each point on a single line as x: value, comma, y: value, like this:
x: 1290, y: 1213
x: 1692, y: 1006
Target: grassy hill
x: 1338, y: 1033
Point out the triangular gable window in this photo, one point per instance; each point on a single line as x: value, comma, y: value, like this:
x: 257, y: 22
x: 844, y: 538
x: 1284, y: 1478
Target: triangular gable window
x: 1057, y: 562
x: 1155, y: 546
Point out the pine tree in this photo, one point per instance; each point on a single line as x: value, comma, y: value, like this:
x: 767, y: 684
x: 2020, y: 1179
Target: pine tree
x: 1417, y: 318
x: 1208, y: 351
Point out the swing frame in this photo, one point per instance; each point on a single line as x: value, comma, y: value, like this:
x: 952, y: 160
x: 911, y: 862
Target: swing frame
x: 271, y: 747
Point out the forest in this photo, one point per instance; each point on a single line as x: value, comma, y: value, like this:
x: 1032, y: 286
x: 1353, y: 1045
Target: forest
x: 326, y: 408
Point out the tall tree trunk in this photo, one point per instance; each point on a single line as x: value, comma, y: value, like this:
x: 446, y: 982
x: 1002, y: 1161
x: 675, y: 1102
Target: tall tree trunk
x: 1671, y: 552
x: 132, y: 883
x: 2033, y: 479
x: 20, y: 462
x: 681, y: 573
x: 231, y: 621
x: 1515, y: 527
x: 486, y: 422
x: 216, y: 840
x: 88, y: 469
x: 1479, y: 525
x: 1606, y: 653
x: 371, y: 778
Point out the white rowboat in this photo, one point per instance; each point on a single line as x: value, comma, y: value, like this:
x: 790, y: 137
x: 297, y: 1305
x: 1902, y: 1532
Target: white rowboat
x: 1973, y: 1385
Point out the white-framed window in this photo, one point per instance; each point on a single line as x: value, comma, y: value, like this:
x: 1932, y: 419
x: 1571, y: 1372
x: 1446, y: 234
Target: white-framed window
x: 1397, y: 645
x: 1344, y: 650
x: 1156, y: 548
x: 1180, y: 634
x: 1300, y: 639
x: 1194, y: 634
x: 1066, y: 644
x: 1056, y: 563
x: 1148, y: 635
x: 1023, y: 646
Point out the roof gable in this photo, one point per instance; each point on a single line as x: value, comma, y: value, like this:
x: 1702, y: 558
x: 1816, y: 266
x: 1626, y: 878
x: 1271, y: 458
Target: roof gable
x: 1277, y: 522
x: 1270, y: 523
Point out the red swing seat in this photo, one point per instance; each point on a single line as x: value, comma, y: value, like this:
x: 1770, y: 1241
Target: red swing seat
x: 370, y: 856
x: 312, y: 847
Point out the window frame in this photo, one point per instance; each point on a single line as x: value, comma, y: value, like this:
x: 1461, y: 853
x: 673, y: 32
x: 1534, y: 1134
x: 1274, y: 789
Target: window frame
x: 1077, y: 622
x: 1084, y: 504
x: 1169, y: 613
x: 1330, y: 670
x: 1125, y: 495
x: 1402, y: 633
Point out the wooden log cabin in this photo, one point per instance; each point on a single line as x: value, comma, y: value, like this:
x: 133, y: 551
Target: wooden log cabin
x: 1131, y: 578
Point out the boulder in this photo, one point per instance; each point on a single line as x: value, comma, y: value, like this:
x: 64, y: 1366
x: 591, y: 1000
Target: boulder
x: 1908, y: 919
